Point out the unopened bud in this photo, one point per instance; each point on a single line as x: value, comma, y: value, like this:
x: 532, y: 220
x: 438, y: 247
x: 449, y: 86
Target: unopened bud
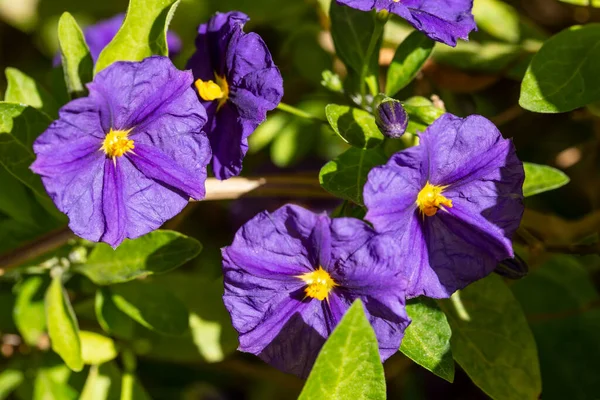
x: 391, y: 118
x: 512, y: 268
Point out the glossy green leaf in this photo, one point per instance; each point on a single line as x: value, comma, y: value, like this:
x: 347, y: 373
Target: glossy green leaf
x: 427, y: 339
x: 559, y: 300
x: 348, y: 366
x: 143, y: 33
x: 10, y: 379
x: 498, y: 19
x: 542, y: 178
x: 563, y: 75
x: 154, y: 253
x: 29, y: 312
x: 357, y: 36
x: 151, y: 306
x: 96, y: 348
x: 357, y: 127
x: 62, y: 325
x: 422, y: 110
x: 24, y: 89
x: 345, y: 176
x: 75, y: 55
x: 492, y: 341
x: 410, y: 56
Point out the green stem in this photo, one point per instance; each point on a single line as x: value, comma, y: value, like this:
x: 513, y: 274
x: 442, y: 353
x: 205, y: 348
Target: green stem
x: 380, y: 21
x: 299, y: 113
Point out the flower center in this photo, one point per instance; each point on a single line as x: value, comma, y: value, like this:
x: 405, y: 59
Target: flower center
x: 430, y: 199
x: 117, y: 143
x: 319, y: 283
x: 210, y: 90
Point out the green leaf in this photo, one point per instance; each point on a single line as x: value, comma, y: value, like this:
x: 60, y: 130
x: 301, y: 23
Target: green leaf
x: 76, y: 58
x: 154, y: 253
x: 29, y: 312
x: 111, y: 319
x: 489, y: 57
x: 542, y: 178
x: 100, y: 385
x: 143, y: 33
x: 10, y: 379
x: 422, y: 110
x: 410, y: 56
x: 62, y: 325
x: 346, y: 175
x: 17, y: 202
x: 563, y: 75
x: 96, y: 349
x: 46, y: 387
x: 492, y: 342
x: 267, y: 131
x: 20, y: 125
x: 357, y: 127
x: 357, y: 36
x: 560, y: 299
x: 498, y: 19
x: 25, y: 90
x: 348, y: 366
x: 427, y: 338
x: 593, y: 3
x: 151, y: 306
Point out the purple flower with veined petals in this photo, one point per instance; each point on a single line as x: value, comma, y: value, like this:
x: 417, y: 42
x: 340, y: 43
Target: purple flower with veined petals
x: 291, y: 275
x: 237, y: 82
x: 441, y: 20
x: 125, y: 159
x: 99, y: 35
x: 453, y: 202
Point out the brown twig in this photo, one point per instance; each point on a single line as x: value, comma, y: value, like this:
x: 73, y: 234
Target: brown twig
x: 233, y: 188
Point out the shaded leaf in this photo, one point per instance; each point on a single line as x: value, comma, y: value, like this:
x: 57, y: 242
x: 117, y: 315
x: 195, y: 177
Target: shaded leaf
x: 62, y: 325
x: 346, y: 175
x: 110, y: 318
x: 498, y: 19
x: 10, y: 379
x: 492, y: 342
x: 77, y: 61
x: 422, y: 110
x: 29, y: 312
x: 348, y: 366
x: 157, y: 252
x: 357, y: 127
x: 427, y: 339
x: 143, y: 33
x: 542, y: 178
x: 563, y: 75
x: 410, y: 56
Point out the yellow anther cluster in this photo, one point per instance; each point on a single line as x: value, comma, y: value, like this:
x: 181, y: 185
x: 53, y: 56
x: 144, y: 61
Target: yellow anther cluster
x: 430, y: 199
x: 213, y: 90
x: 319, y: 283
x: 117, y: 143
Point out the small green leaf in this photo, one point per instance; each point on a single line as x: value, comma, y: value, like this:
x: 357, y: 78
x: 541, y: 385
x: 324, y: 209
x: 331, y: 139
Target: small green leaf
x: 10, y: 379
x: 427, y: 338
x: 345, y: 176
x: 422, y: 110
x: 62, y: 325
x: 267, y: 131
x: 348, y: 366
x: 143, y: 33
x: 498, y: 19
x: 492, y: 341
x: 48, y: 387
x: 29, y: 312
x: 96, y: 349
x: 76, y: 58
x: 357, y: 127
x: 111, y: 319
x: 151, y: 306
x: 410, y: 56
x: 25, y: 90
x: 154, y: 253
x: 542, y: 178
x: 563, y: 75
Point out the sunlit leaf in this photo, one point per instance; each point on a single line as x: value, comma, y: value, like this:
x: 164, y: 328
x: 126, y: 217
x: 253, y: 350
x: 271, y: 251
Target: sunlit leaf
x: 76, y: 58
x: 410, y: 56
x: 357, y: 127
x: 542, y: 178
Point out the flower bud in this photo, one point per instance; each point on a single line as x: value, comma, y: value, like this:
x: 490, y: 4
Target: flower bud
x: 512, y: 268
x: 391, y: 118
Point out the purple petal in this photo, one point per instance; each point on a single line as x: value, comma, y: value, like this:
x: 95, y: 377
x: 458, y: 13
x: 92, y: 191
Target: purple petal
x: 362, y: 5
x: 155, y: 165
x: 113, y: 204
x: 227, y: 133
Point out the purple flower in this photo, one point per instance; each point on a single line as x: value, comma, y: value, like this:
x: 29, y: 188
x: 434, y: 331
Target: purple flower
x: 99, y: 35
x: 441, y: 20
x: 125, y: 159
x: 453, y: 202
x: 290, y: 275
x: 237, y: 82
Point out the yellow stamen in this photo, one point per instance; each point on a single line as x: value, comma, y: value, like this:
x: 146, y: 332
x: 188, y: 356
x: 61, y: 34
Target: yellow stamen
x: 116, y: 143
x: 430, y: 199
x: 210, y: 90
x: 319, y: 283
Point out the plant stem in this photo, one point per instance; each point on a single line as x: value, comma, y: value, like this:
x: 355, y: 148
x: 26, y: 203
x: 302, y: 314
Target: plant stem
x: 380, y: 22
x: 299, y: 113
